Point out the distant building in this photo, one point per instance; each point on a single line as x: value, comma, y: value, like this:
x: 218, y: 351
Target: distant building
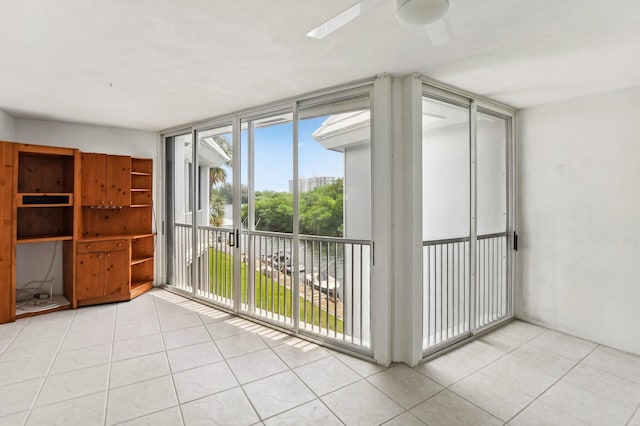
x: 309, y: 184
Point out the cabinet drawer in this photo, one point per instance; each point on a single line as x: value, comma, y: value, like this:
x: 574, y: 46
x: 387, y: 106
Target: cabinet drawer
x: 98, y: 246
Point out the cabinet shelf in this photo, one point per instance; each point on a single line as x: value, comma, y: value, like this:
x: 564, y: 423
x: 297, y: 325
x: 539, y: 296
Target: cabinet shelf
x: 135, y: 237
x: 136, y: 284
x: 139, y: 287
x: 141, y: 260
x: 43, y: 239
x: 62, y: 304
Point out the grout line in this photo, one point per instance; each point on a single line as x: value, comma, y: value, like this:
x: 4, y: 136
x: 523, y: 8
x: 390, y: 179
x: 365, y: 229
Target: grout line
x: 268, y: 346
x: 478, y: 370
x: 553, y: 384
x: 53, y: 360
x: 609, y: 372
x: 636, y: 412
x: 499, y: 358
x: 311, y: 390
x: 224, y: 359
x: 408, y: 413
x: 15, y: 336
x: 113, y: 336
x: 175, y: 389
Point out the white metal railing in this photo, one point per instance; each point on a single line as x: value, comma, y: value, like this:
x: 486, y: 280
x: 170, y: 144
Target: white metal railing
x: 327, y: 295
x: 447, y: 295
x: 492, y: 292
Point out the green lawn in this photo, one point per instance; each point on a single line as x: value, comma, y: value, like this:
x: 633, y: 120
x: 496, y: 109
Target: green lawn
x: 269, y: 295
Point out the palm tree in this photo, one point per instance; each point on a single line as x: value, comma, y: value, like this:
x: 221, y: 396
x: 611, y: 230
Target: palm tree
x: 218, y: 176
x: 216, y: 212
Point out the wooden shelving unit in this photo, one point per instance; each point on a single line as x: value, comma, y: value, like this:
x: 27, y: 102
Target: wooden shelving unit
x: 141, y: 182
x: 142, y: 245
x: 46, y: 181
x: 97, y: 207
x: 107, y: 223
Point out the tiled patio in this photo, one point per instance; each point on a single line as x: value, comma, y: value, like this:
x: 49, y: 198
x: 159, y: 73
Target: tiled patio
x: 163, y: 360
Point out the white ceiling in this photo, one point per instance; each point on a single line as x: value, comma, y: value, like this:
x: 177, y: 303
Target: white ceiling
x: 172, y: 62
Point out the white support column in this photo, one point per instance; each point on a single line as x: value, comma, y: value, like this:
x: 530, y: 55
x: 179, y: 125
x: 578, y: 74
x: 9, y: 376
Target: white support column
x: 407, y: 209
x: 382, y: 219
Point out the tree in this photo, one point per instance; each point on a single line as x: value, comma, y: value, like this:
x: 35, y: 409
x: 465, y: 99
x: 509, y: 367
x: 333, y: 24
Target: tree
x: 321, y: 210
x: 216, y: 210
x: 218, y: 175
x: 218, y: 178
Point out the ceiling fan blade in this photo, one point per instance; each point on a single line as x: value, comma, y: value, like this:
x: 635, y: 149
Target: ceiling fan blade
x: 343, y: 18
x: 440, y: 32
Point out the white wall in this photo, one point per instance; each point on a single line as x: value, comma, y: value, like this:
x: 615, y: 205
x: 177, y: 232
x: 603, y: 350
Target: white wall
x: 32, y: 260
x: 87, y: 138
x: 579, y: 217
x: 7, y: 127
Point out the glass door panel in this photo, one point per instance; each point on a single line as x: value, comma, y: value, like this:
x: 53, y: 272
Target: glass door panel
x: 334, y: 191
x: 180, y: 270
x: 214, y: 208
x: 492, y: 201
x: 445, y: 221
x: 268, y: 292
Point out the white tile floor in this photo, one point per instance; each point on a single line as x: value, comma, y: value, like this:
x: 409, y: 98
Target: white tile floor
x: 163, y: 360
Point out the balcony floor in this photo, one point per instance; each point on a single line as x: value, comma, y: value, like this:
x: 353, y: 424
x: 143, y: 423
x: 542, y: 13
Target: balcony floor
x: 163, y: 360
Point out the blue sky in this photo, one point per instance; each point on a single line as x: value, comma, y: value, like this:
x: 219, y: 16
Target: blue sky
x: 274, y: 155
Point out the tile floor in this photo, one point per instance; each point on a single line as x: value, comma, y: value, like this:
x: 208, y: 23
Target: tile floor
x: 163, y: 360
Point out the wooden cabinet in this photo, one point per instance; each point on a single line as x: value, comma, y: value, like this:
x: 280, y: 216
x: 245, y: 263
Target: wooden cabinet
x: 102, y: 271
x: 7, y: 282
x: 44, y: 198
x: 106, y: 180
x: 83, y: 204
x: 100, y: 227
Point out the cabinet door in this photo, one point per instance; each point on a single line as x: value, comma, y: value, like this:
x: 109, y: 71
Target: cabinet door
x: 94, y: 179
x: 89, y: 275
x: 116, y: 273
x: 118, y: 180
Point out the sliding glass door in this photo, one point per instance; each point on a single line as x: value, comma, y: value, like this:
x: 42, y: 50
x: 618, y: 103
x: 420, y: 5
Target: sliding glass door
x: 270, y: 216
x: 446, y: 230
x: 465, y: 218
x: 201, y: 237
x: 493, y: 254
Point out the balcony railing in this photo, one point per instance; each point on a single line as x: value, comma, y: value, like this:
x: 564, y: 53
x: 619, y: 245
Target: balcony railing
x: 326, y: 295
x: 447, y: 292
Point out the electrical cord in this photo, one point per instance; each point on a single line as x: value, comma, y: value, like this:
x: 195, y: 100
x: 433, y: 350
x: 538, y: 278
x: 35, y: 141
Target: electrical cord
x: 26, y: 295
